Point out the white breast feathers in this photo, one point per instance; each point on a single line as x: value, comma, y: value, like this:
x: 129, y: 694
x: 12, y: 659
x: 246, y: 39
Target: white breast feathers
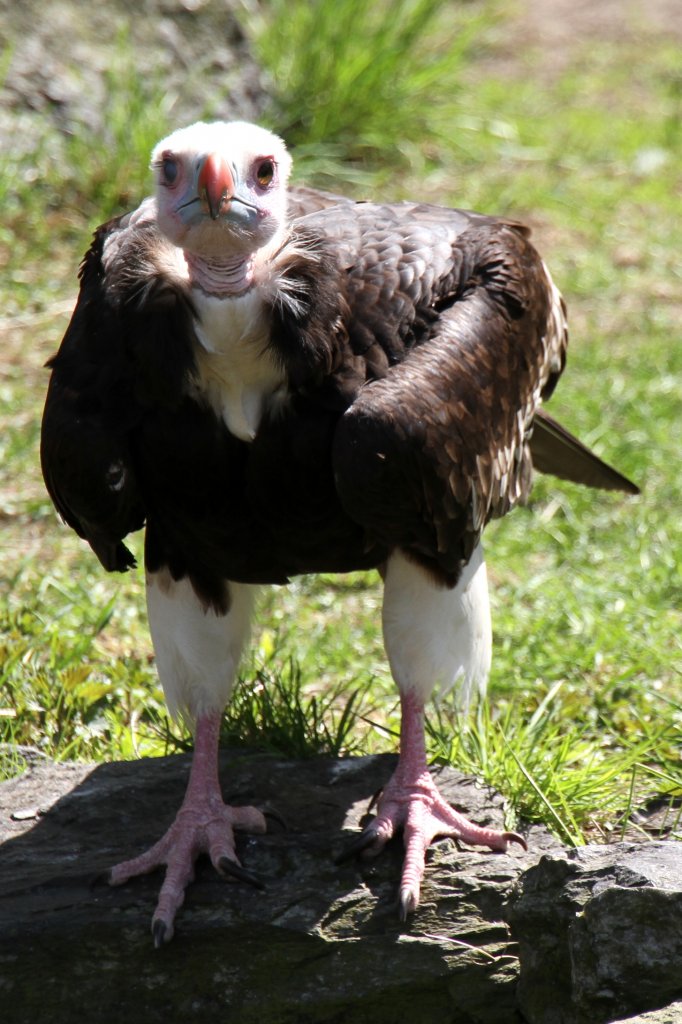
x: 236, y: 372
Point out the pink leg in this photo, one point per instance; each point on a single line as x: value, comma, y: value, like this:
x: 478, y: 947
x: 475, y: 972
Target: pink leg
x: 204, y: 824
x: 411, y: 801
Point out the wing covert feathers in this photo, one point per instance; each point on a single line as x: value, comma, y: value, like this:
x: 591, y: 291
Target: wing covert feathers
x: 428, y: 454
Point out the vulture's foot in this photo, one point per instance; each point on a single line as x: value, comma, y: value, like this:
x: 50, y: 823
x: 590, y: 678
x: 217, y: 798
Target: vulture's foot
x: 411, y: 802
x: 204, y: 826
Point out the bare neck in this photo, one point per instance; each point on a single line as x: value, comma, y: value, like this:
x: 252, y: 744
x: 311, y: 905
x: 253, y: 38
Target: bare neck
x: 221, y: 277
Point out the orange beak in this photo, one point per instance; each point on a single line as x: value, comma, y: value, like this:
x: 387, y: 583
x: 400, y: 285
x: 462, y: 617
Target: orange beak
x: 215, y: 185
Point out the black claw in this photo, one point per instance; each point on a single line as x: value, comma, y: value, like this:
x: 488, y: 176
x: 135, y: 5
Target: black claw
x: 159, y: 932
x: 375, y: 800
x: 230, y: 867
x: 357, y: 846
x: 103, y: 878
x: 276, y: 816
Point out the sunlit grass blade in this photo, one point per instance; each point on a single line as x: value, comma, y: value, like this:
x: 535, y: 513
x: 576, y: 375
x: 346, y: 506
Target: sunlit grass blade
x: 565, y: 826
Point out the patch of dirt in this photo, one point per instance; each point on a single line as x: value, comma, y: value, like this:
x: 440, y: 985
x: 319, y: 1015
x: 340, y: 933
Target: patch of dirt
x: 554, y: 30
x: 558, y: 25
x: 63, y: 53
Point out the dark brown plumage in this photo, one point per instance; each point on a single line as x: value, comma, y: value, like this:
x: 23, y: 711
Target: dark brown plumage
x: 465, y: 296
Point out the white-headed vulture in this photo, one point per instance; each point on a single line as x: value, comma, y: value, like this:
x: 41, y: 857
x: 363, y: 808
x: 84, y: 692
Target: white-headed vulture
x: 278, y: 381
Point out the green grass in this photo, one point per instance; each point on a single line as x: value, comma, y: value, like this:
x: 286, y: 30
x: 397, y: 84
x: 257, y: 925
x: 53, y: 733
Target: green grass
x: 363, y: 91
x: 583, y: 720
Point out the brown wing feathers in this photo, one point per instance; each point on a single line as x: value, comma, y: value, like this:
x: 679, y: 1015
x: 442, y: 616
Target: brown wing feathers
x: 427, y: 455
x: 127, y: 351
x: 418, y: 343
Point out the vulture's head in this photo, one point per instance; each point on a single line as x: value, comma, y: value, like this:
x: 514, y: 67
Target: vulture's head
x: 221, y: 188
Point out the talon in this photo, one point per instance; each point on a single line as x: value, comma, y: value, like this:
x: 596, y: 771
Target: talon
x: 514, y: 837
x: 226, y: 866
x: 361, y: 844
x: 409, y: 901
x: 161, y: 933
x: 276, y: 816
x: 375, y: 800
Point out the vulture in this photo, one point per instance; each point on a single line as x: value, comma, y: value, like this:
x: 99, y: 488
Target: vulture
x: 276, y: 381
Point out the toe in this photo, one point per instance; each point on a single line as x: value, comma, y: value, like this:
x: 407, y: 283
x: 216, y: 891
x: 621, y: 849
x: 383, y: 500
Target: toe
x: 248, y: 819
x: 142, y: 865
x: 179, y: 873
x: 371, y: 840
x: 417, y: 838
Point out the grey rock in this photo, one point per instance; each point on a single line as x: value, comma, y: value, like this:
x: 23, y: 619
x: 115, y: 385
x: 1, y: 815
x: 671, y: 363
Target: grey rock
x: 600, y: 933
x: 668, y: 1015
x: 595, y: 933
x: 322, y: 943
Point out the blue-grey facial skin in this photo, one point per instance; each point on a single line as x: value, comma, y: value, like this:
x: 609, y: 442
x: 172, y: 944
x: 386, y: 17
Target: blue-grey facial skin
x: 192, y: 208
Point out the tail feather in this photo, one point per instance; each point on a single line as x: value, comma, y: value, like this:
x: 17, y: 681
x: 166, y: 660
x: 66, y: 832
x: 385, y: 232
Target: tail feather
x: 555, y: 450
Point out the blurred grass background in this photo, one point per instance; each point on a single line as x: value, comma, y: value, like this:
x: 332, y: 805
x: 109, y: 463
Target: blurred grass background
x: 462, y: 104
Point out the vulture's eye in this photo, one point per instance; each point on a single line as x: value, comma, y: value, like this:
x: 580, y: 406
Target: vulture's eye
x: 265, y: 172
x: 169, y: 170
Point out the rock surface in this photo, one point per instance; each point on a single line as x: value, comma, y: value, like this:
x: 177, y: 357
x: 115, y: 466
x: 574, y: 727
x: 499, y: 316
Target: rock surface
x: 668, y: 1015
x: 600, y: 933
x: 598, y: 930
x: 322, y: 943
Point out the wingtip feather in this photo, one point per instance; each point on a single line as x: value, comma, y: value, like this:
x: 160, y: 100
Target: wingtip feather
x: 558, y: 452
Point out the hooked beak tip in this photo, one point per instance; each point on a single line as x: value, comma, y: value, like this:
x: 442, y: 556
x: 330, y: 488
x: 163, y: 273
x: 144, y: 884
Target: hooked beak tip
x: 215, y: 185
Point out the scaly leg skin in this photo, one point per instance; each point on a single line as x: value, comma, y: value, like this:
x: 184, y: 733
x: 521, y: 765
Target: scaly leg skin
x: 411, y: 801
x: 204, y: 824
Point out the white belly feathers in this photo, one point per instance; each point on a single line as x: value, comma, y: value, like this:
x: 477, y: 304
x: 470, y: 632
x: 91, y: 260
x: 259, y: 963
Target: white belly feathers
x: 236, y: 372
